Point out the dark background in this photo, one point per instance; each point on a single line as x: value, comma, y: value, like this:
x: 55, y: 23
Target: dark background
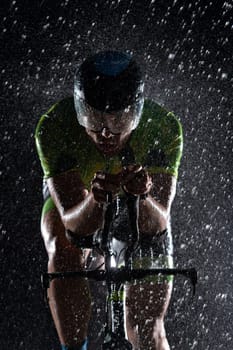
x: 185, y: 49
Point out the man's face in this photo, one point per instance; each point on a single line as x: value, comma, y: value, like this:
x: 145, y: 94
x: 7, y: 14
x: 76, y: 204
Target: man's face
x: 107, y: 142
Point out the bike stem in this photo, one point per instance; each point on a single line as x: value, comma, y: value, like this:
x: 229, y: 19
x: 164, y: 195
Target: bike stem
x: 133, y: 214
x: 108, y: 218
x: 114, y: 302
x: 114, y: 306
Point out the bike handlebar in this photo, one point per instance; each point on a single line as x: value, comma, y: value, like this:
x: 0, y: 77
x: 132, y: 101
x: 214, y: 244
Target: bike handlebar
x: 120, y: 275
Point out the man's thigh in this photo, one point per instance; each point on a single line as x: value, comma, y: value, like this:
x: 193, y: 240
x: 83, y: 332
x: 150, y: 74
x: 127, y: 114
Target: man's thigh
x: 147, y: 301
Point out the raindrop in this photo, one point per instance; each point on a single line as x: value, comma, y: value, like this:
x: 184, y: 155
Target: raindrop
x: 224, y: 76
x: 171, y: 56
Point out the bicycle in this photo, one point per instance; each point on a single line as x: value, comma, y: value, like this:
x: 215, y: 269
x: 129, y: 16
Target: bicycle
x: 115, y: 277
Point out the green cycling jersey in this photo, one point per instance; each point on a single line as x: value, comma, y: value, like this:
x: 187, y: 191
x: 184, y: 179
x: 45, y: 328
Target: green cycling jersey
x: 63, y: 144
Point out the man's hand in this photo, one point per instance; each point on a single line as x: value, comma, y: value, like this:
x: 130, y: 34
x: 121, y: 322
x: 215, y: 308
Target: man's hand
x: 103, y: 184
x: 133, y: 179
x: 136, y: 180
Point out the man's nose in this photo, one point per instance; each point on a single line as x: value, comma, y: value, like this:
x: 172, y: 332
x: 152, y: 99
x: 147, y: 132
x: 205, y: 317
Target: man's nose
x: 106, y: 133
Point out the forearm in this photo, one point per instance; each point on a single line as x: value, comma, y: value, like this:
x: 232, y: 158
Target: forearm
x: 84, y: 218
x: 153, y: 217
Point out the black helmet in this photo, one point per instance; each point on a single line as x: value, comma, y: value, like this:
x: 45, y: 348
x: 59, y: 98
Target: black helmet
x: 109, y: 87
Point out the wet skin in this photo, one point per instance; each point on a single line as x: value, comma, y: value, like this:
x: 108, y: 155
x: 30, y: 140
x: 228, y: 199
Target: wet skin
x: 75, y: 205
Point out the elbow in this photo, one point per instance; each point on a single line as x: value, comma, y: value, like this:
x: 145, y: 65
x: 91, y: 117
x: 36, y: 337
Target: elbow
x: 153, y: 218
x: 165, y: 218
x: 77, y: 228
x: 70, y: 225
x: 162, y: 222
x: 67, y: 222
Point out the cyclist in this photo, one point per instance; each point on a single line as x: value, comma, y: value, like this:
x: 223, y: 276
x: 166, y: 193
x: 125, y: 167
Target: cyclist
x: 107, y: 138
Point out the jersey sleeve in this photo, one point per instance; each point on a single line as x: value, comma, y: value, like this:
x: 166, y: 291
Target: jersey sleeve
x: 52, y: 140
x: 165, y: 154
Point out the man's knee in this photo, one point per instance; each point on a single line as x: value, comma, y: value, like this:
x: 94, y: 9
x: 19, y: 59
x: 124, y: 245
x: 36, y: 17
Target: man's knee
x: 159, y: 330
x: 161, y: 342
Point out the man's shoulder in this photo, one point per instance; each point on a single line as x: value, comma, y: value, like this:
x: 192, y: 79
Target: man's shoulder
x: 157, y: 114
x: 59, y: 115
x: 59, y: 109
x: 160, y: 135
x: 64, y: 106
x: 153, y: 107
x: 156, y: 121
x: 61, y: 141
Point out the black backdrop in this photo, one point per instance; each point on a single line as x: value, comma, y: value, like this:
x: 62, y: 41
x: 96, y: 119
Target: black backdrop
x: 185, y: 49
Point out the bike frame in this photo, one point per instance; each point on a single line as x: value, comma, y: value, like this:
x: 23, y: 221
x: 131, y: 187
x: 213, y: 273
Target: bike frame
x: 115, y: 278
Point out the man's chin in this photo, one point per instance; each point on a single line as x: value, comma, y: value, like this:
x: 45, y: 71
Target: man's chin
x: 107, y: 149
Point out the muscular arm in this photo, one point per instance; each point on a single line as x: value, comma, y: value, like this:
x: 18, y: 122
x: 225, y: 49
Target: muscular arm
x: 79, y: 212
x: 154, y: 211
